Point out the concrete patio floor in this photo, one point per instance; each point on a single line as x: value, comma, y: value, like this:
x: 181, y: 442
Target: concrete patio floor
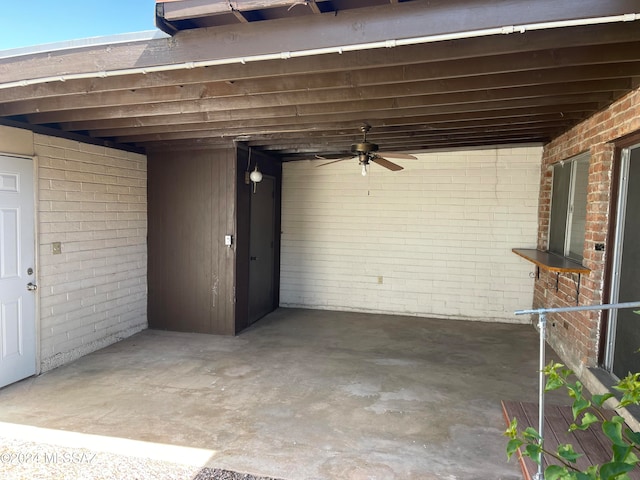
x: 304, y: 394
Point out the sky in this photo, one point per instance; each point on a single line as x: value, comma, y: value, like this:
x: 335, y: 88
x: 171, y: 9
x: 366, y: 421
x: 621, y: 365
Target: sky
x: 33, y: 22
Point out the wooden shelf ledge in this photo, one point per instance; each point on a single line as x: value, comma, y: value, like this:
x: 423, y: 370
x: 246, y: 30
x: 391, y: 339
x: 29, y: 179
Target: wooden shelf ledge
x: 551, y: 261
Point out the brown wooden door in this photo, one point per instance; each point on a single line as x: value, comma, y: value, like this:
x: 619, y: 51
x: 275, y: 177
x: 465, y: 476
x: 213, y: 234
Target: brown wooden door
x: 261, y: 241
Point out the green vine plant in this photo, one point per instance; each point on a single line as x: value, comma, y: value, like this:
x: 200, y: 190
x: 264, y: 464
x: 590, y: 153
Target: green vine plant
x: 587, y: 413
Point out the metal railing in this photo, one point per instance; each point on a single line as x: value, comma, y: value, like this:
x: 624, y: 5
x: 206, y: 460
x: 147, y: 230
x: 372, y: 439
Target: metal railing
x: 542, y: 328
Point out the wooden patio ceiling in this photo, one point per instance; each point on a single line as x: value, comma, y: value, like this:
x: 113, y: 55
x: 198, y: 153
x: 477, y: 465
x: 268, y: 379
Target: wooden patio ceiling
x: 252, y: 86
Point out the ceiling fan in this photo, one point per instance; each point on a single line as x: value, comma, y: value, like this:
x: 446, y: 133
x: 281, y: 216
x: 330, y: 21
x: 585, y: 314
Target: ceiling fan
x: 367, y: 152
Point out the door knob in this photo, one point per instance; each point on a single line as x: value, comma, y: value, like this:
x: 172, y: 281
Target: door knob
x: 32, y: 287
x: 253, y: 258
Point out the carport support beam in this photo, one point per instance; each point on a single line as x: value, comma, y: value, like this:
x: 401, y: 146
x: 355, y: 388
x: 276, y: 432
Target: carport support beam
x: 542, y: 327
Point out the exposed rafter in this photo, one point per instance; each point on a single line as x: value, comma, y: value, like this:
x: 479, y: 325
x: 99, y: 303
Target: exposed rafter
x: 521, y: 87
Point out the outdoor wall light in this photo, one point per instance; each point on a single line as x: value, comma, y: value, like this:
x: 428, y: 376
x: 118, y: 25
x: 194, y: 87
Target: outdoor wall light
x: 256, y: 175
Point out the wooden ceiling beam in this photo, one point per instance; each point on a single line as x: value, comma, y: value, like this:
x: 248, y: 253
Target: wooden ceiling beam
x: 352, y: 61
x: 376, y: 24
x: 442, y: 145
x: 490, y: 140
x: 555, y: 62
x: 409, y: 144
x: 347, y: 134
x: 513, y: 88
x: 302, y: 126
x: 189, y: 9
x: 313, y: 5
x: 567, y: 78
x: 208, y: 143
x: 355, y: 110
x: 239, y: 15
x: 350, y: 131
x: 538, y: 96
x: 184, y: 10
x: 393, y: 133
x: 225, y: 129
x: 341, y: 144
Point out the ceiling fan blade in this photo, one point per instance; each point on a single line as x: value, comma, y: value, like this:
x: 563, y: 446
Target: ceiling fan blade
x: 329, y: 157
x: 336, y: 161
x: 400, y: 155
x: 383, y: 162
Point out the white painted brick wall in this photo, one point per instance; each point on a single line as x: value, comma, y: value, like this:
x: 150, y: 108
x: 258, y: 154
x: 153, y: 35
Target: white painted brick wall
x: 93, y: 200
x: 438, y: 235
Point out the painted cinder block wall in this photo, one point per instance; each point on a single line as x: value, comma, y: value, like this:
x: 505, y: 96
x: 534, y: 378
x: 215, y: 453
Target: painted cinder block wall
x: 576, y: 336
x: 92, y: 200
x: 434, y: 239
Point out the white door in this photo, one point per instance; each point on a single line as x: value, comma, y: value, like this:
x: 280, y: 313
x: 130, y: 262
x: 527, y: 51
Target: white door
x: 17, y: 265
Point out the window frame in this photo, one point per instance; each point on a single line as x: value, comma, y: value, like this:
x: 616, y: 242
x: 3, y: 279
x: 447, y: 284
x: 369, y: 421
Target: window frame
x: 559, y: 241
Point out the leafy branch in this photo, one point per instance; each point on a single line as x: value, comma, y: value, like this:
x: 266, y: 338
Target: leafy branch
x: 587, y: 413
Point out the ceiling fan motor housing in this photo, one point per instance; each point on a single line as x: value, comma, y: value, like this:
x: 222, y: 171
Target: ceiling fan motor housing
x: 364, y: 147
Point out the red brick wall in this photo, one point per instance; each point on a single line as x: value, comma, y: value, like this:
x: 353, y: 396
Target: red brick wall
x: 576, y: 336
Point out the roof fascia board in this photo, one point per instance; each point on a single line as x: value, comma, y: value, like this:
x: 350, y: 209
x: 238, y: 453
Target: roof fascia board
x: 364, y: 26
x: 188, y: 9
x: 116, y: 39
